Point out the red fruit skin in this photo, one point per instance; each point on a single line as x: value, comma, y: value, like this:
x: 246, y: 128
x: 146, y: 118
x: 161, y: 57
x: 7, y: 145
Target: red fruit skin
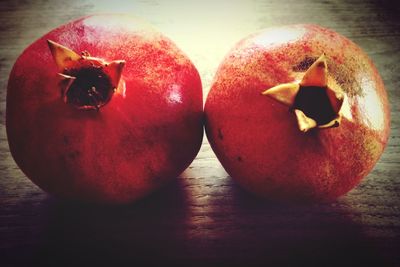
x: 257, y: 139
x: 132, y: 145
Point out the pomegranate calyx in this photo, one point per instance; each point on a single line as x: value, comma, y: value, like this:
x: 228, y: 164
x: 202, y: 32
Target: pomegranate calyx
x: 63, y: 56
x: 315, y: 104
x: 284, y: 93
x: 86, y: 82
x: 305, y: 123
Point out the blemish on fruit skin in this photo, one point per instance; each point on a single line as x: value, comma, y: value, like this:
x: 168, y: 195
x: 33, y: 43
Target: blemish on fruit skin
x: 66, y: 140
x: 306, y: 48
x: 239, y: 158
x: 304, y: 64
x: 220, y: 135
x: 73, y: 154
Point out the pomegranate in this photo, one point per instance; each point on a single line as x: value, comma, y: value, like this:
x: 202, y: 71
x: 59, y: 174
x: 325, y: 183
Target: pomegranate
x: 111, y: 112
x: 297, y: 113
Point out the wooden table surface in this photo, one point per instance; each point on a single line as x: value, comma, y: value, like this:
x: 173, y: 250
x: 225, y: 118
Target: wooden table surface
x: 203, y: 218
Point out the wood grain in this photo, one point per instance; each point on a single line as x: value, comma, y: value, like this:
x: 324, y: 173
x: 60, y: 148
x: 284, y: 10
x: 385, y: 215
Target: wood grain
x: 204, y: 218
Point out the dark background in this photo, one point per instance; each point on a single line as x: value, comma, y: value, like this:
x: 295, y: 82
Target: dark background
x: 204, y: 218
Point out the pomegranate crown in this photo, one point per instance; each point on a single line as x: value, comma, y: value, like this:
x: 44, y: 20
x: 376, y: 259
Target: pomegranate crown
x: 86, y: 82
x: 314, y: 102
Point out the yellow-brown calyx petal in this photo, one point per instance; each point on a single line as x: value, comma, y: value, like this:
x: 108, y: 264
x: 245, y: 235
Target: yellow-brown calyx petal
x: 63, y: 56
x: 314, y: 103
x: 317, y: 74
x: 284, y: 93
x: 85, y: 82
x: 305, y: 123
x: 114, y: 71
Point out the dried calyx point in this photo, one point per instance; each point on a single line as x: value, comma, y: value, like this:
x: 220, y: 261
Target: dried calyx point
x: 86, y: 82
x: 314, y: 103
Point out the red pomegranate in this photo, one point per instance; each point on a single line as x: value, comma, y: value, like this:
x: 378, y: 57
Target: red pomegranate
x: 297, y: 112
x: 112, y: 111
